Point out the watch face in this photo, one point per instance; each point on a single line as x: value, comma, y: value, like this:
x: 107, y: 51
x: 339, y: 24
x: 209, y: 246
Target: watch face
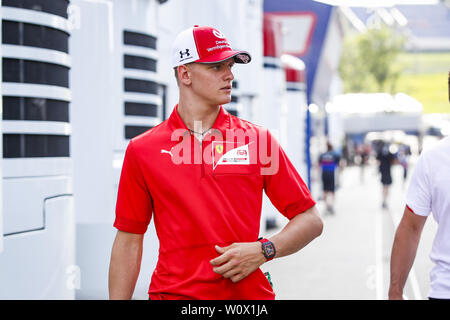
x: 269, y: 249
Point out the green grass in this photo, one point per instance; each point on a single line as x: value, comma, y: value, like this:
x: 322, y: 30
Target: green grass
x: 430, y: 89
x: 425, y: 78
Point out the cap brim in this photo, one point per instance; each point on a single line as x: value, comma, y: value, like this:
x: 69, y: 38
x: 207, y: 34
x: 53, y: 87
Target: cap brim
x: 239, y: 57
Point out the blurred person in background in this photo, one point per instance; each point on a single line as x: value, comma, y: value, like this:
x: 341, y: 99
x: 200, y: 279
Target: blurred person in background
x: 364, y: 154
x: 403, y: 158
x: 386, y: 159
x: 206, y: 215
x: 428, y: 192
x: 329, y: 162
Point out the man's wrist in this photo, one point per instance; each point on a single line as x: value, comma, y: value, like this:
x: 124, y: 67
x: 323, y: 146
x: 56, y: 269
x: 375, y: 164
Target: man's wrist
x: 260, y: 252
x: 395, y: 293
x: 267, y: 248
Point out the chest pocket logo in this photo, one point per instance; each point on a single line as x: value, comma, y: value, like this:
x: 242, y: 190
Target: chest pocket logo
x: 239, y: 155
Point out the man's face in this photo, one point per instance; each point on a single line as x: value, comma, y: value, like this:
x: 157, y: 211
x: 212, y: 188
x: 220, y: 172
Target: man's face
x: 211, y: 82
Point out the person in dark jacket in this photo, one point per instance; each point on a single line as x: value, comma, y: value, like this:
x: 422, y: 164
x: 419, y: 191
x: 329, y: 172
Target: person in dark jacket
x: 385, y: 159
x: 329, y: 162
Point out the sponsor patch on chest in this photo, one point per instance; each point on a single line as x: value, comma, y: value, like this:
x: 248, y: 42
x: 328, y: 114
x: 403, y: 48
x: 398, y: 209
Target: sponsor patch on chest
x: 225, y: 154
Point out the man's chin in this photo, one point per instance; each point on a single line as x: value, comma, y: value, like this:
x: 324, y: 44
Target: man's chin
x: 225, y: 100
x: 220, y: 100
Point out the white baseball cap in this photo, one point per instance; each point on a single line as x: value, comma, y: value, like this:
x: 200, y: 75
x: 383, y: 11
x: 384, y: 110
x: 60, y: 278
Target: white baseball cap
x: 204, y: 45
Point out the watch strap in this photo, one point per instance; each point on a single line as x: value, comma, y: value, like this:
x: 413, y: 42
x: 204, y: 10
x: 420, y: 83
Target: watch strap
x: 268, y: 248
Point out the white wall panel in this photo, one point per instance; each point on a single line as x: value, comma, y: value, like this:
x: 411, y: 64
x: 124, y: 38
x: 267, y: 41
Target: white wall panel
x: 39, y: 264
x: 36, y: 220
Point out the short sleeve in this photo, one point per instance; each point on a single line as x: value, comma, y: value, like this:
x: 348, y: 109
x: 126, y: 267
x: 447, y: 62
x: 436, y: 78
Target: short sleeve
x: 134, y: 204
x: 418, y: 197
x: 283, y: 184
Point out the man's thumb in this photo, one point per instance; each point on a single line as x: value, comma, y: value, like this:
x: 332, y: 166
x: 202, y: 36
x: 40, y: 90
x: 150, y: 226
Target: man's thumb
x: 219, y: 249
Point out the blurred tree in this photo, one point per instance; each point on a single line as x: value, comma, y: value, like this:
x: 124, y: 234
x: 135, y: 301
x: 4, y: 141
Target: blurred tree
x: 352, y: 68
x: 369, y: 61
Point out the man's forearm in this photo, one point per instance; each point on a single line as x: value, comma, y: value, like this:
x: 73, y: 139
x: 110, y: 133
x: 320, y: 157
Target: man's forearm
x: 402, y: 258
x: 125, y: 265
x: 300, y: 231
x: 404, y: 251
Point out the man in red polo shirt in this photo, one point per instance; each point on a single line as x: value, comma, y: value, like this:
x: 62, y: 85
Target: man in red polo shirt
x: 201, y: 175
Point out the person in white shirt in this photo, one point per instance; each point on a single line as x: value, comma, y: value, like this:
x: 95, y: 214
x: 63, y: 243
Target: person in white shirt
x: 429, y: 191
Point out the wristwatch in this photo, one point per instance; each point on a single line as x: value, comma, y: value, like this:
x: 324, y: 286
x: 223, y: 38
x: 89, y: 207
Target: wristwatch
x: 268, y: 248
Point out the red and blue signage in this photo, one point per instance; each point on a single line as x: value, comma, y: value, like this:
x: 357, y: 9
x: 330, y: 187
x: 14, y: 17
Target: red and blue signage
x: 304, y: 24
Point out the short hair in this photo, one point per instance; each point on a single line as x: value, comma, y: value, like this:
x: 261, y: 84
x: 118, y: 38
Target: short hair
x: 175, y: 70
x: 329, y: 146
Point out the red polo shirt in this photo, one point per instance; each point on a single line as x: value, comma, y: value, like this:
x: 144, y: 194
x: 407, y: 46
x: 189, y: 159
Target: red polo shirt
x: 202, y: 195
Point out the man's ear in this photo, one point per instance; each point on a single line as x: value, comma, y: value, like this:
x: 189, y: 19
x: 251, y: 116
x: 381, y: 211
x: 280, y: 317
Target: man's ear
x: 184, y: 75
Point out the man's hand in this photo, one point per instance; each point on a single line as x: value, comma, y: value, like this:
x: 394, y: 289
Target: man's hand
x: 238, y: 260
x: 242, y: 258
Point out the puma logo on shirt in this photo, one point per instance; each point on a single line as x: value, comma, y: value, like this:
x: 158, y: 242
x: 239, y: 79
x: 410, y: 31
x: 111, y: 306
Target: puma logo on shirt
x: 169, y: 152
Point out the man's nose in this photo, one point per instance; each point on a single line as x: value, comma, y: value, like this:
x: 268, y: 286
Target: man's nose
x: 229, y: 76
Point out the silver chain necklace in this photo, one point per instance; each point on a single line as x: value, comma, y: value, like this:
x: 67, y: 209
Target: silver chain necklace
x: 200, y: 133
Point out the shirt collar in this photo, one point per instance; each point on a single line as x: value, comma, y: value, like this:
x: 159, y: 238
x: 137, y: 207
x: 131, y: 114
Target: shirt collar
x: 222, y: 122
